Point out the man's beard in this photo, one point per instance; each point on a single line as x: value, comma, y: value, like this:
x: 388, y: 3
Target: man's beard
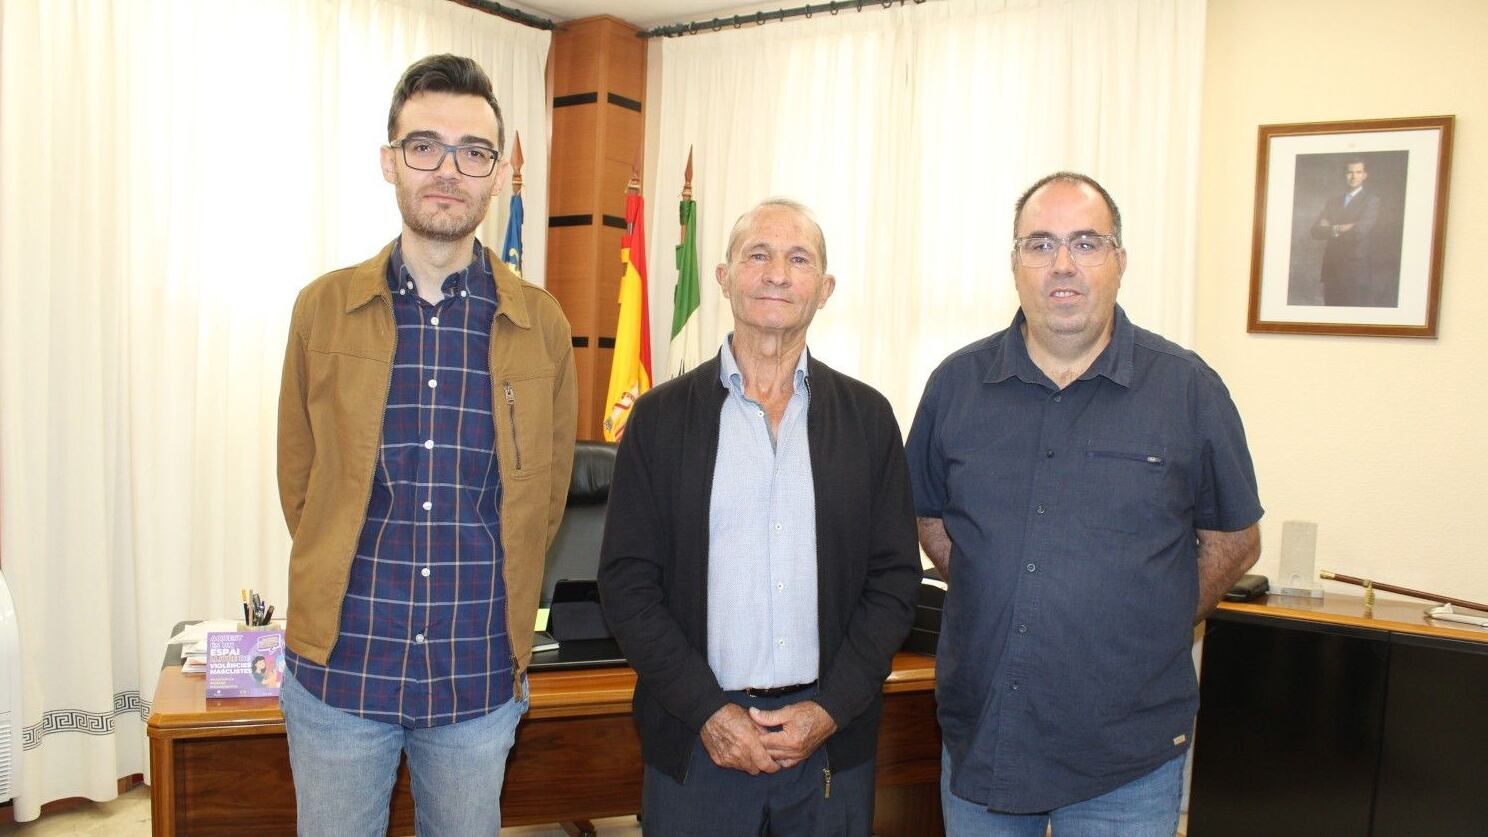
x: 437, y: 225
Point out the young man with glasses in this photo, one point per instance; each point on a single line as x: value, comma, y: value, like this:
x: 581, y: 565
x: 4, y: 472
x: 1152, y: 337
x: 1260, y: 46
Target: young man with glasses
x: 426, y: 432
x: 1086, y: 488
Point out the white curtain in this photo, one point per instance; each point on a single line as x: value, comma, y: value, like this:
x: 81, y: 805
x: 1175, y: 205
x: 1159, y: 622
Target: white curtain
x: 911, y: 132
x: 171, y: 173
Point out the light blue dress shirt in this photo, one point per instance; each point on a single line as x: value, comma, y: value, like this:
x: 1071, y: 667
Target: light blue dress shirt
x: 762, y: 620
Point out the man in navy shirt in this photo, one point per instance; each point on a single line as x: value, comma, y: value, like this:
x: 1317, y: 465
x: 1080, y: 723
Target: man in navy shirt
x: 426, y: 433
x: 1085, y: 487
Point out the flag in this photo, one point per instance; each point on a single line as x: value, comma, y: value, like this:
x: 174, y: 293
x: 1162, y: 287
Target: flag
x: 686, y: 350
x: 511, y: 250
x: 630, y: 370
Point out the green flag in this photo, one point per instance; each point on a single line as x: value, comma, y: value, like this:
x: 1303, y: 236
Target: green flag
x: 687, y: 337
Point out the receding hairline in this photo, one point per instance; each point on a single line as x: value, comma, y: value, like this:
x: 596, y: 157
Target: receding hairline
x: 1071, y: 178
x: 745, y: 221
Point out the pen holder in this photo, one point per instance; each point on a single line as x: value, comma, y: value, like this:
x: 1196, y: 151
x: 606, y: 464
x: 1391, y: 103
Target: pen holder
x: 274, y: 625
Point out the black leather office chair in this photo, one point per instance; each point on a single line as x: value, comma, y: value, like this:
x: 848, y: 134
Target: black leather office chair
x: 575, y: 550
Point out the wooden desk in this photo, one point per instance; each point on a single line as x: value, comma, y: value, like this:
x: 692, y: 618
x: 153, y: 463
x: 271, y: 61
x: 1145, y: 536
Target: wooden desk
x: 221, y: 767
x: 1317, y: 718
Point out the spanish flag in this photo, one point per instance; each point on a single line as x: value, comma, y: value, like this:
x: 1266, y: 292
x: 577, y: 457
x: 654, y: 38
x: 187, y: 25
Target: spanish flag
x: 630, y: 371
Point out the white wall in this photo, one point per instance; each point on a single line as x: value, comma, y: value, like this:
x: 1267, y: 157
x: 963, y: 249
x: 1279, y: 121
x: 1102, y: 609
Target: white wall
x: 1378, y: 440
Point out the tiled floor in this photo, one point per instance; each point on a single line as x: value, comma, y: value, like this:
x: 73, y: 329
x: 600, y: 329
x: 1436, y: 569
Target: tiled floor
x: 129, y: 816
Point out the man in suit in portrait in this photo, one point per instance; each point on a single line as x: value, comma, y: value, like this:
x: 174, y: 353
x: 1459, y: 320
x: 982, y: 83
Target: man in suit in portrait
x: 1347, y: 224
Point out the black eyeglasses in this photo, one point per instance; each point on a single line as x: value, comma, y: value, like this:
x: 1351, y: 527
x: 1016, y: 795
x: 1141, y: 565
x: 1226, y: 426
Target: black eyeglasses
x: 427, y: 154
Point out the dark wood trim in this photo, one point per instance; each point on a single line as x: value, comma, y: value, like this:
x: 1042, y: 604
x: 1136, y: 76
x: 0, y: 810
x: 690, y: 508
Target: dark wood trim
x: 628, y: 104
x: 575, y: 99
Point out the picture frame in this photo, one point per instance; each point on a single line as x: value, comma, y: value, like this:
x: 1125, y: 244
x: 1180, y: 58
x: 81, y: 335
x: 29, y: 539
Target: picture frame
x: 1349, y: 224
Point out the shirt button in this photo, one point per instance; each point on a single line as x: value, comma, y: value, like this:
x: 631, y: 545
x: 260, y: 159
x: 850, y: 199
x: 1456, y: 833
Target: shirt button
x: 1022, y: 629
x: 780, y: 585
x: 781, y: 643
x: 1032, y: 567
x: 1058, y: 398
x: 777, y: 527
x: 433, y: 383
x: 429, y: 445
x: 428, y: 505
x: 1040, y: 509
x: 419, y: 638
x: 759, y: 413
x: 1017, y: 685
x: 410, y: 286
x: 424, y: 572
x: 1049, y: 454
x: 433, y: 321
x: 402, y: 292
x: 464, y: 293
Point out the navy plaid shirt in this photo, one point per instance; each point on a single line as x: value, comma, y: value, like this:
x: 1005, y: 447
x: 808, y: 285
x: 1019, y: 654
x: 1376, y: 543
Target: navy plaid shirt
x: 423, y: 626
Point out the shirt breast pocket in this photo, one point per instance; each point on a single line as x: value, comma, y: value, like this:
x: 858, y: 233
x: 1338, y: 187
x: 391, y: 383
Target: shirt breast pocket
x: 1125, y: 484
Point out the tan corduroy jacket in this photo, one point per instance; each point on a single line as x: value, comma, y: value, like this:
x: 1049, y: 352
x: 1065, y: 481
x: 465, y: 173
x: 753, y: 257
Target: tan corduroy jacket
x: 337, y: 372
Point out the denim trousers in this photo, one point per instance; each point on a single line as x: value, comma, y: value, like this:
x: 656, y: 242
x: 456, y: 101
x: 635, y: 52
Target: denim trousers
x: 1145, y: 807
x: 345, y: 766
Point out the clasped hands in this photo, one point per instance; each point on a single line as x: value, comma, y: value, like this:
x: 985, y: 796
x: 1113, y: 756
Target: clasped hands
x: 764, y: 741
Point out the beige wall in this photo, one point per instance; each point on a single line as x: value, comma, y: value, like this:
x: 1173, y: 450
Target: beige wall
x: 1381, y: 441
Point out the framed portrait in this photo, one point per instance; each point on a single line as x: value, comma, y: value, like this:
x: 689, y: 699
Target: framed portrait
x: 1349, y: 221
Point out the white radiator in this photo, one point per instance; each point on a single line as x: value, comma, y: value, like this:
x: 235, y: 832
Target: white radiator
x: 10, y: 697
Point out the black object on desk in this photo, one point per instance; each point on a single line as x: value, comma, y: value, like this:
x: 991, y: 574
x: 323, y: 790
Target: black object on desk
x: 579, y: 653
x: 1247, y: 588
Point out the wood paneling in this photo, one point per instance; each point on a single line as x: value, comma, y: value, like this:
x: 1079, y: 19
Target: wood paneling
x: 571, y: 189
x: 627, y: 63
x: 595, y: 145
x: 576, y: 58
x: 573, y: 259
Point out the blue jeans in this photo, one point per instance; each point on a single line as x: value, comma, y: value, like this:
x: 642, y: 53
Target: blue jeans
x: 1145, y: 807
x: 344, y: 768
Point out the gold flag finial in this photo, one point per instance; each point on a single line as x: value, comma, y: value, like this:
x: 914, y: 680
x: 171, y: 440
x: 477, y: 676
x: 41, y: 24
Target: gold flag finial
x: 516, y: 161
x: 635, y: 173
x: 687, y: 177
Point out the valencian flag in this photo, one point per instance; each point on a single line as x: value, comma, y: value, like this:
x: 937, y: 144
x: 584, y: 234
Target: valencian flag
x: 686, y: 350
x: 511, y: 249
x: 630, y: 371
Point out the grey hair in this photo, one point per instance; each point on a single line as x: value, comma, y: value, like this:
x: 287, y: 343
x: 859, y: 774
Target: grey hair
x: 801, y: 209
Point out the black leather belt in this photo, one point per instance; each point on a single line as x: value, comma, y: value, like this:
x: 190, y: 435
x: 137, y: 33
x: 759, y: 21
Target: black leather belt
x: 779, y: 691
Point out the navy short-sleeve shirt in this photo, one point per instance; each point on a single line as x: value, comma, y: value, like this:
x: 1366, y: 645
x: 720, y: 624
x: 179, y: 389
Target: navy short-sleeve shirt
x: 1064, y: 667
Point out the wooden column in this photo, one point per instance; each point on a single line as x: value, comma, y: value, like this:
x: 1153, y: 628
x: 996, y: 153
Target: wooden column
x: 598, y: 75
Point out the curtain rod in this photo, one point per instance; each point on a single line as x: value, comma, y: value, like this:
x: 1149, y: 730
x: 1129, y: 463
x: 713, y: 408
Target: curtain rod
x: 514, y: 15
x: 673, y: 30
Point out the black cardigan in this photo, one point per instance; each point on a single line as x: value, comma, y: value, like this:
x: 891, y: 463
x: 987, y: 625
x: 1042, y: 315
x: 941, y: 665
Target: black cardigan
x: 653, y: 572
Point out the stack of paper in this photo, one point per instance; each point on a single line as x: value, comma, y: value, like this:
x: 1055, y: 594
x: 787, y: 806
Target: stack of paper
x: 193, y: 642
